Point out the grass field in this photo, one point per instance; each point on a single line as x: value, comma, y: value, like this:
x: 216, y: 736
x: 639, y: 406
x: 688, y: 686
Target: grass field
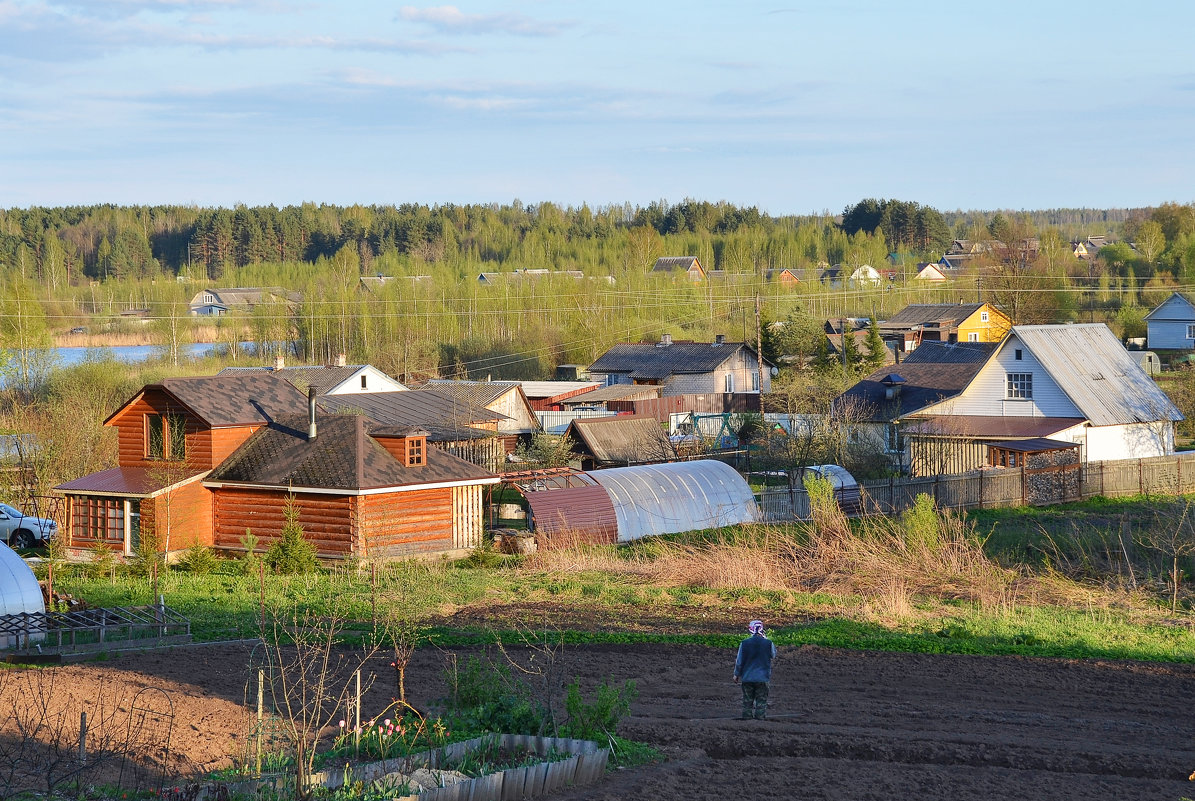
x: 883, y: 590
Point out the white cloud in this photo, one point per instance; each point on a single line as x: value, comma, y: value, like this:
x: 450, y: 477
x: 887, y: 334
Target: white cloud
x: 450, y: 19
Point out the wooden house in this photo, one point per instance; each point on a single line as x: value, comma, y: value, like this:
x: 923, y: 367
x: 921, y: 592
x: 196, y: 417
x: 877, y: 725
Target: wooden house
x: 685, y: 367
x: 689, y: 266
x: 202, y: 460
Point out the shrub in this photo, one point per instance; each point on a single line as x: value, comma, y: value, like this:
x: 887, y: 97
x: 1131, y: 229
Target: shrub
x: 101, y: 561
x: 921, y: 523
x: 250, y: 561
x: 198, y: 559
x: 291, y: 553
x: 487, y: 697
x: 597, y: 719
x: 147, y: 553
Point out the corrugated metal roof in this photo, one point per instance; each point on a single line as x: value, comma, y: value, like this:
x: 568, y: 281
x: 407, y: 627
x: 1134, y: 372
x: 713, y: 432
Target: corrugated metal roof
x: 129, y: 482
x: 675, y: 497
x: 554, y: 389
x: 1096, y: 373
x: 1035, y: 445
x: 412, y: 408
x: 478, y: 393
x: 583, y: 512
x: 987, y: 426
x: 617, y: 392
x: 951, y: 353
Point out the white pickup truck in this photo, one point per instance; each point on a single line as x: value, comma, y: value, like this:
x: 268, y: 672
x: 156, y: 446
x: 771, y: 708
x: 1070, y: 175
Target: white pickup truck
x: 22, y: 531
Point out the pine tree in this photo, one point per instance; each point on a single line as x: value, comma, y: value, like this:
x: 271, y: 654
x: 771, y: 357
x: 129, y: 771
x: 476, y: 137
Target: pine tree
x: 876, y: 350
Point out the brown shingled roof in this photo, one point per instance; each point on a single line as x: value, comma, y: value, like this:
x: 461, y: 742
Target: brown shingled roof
x: 231, y: 400
x: 343, y: 456
x: 622, y: 440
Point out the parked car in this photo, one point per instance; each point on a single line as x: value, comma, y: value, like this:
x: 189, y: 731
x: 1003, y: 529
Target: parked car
x: 24, y: 531
x: 78, y: 330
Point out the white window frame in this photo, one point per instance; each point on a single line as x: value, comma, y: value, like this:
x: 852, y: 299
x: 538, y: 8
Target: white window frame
x: 1018, y: 386
x: 983, y: 317
x: 755, y: 381
x: 729, y: 384
x: 973, y: 336
x: 1190, y: 330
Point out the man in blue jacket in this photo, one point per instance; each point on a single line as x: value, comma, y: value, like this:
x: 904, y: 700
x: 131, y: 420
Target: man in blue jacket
x: 753, y: 668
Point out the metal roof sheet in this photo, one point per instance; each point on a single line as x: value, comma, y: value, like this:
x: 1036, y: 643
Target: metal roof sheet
x: 478, y: 393
x: 1095, y: 371
x: 659, y: 360
x: 129, y: 482
x: 987, y: 426
x: 616, y: 392
x: 586, y: 513
x: 675, y: 497
x: 624, y: 439
x: 554, y: 389
x: 1035, y: 445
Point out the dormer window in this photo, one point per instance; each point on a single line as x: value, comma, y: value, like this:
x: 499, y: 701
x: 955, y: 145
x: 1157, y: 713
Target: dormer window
x: 166, y: 437
x: 416, y: 451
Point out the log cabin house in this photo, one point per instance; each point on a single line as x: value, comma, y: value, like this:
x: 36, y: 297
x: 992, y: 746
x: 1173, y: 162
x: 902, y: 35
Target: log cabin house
x: 201, y: 460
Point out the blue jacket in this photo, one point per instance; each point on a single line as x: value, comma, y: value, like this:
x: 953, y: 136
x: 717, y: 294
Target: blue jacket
x: 754, y: 662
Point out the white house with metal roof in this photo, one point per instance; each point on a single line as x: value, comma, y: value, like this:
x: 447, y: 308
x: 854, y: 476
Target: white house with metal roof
x: 1078, y: 373
x: 331, y: 379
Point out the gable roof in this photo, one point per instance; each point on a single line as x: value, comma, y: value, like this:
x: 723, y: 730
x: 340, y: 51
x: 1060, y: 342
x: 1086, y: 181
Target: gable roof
x: 444, y: 419
x: 1094, y: 370
x: 323, y: 377
x: 477, y: 393
x: 626, y: 439
x: 920, y: 314
x: 670, y: 263
x: 1176, y: 307
x: 615, y: 392
x: 247, y: 296
x: 935, y: 372
x: 657, y: 360
x: 229, y: 400
x: 546, y: 390
x: 343, y: 456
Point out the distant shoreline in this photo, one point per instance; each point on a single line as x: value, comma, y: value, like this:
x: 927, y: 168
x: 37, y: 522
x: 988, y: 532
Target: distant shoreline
x: 117, y: 339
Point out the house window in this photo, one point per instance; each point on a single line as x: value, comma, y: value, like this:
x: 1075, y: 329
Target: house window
x: 894, y: 444
x: 611, y: 379
x: 416, y: 451
x: 1190, y: 331
x: 98, y: 519
x: 729, y: 383
x: 165, y: 437
x: 207, y: 298
x: 973, y: 337
x: 1020, y: 386
x: 1017, y: 355
x: 363, y: 382
x: 983, y: 317
x: 755, y: 381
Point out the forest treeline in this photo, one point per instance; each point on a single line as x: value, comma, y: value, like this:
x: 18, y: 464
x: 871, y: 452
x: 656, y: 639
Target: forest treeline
x: 66, y: 244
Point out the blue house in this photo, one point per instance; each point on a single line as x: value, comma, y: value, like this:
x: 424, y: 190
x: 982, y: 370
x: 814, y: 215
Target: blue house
x: 1171, y: 326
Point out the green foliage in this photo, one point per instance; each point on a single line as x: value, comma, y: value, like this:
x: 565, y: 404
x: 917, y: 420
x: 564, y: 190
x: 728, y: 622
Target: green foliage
x: 597, y: 719
x: 198, y: 559
x: 921, y: 523
x: 148, y: 552
x: 101, y: 561
x: 877, y: 351
x: 291, y: 552
x: 250, y: 561
x: 485, y: 696
x: 544, y: 451
x: 1130, y: 321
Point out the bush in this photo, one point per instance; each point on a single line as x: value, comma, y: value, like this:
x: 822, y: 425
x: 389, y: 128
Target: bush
x: 147, y: 553
x: 198, y: 559
x: 251, y: 560
x: 292, y: 553
x: 101, y: 561
x: 597, y: 719
x: 487, y: 697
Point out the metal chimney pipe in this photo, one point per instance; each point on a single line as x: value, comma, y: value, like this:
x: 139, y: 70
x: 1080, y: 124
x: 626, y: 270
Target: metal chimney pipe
x: 310, y: 413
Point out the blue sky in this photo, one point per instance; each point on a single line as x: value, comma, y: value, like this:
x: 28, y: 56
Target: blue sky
x: 796, y: 106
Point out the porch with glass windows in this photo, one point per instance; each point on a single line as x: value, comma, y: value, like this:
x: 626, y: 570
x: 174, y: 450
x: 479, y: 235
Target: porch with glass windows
x: 111, y: 507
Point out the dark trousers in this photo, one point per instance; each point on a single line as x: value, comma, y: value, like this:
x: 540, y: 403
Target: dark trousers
x: 755, y: 699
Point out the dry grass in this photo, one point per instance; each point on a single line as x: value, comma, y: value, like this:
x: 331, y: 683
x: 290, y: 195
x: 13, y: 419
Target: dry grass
x: 143, y: 335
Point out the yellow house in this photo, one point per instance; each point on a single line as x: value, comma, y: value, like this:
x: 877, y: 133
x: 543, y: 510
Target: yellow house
x: 946, y: 322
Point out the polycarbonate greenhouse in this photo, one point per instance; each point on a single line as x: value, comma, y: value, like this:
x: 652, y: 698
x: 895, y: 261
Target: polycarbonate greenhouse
x: 19, y: 591
x: 675, y: 497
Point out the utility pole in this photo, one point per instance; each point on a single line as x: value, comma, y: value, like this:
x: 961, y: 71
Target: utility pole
x: 759, y: 349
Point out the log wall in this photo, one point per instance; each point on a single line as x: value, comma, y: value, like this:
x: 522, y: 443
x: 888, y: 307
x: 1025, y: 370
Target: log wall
x: 206, y: 447
x: 397, y: 523
x: 189, y: 509
x: 327, y: 520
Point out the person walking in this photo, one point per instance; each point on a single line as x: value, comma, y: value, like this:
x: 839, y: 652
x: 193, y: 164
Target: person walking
x: 753, y: 668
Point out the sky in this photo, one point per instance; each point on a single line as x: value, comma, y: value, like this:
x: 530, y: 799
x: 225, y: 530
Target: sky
x: 796, y: 107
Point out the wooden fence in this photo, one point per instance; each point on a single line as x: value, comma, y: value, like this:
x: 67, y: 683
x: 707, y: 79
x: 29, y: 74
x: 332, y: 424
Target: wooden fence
x: 985, y: 489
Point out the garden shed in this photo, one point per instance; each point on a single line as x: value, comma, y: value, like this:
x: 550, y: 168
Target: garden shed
x: 19, y: 590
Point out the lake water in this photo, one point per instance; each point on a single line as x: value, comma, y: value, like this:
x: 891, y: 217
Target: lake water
x: 68, y: 357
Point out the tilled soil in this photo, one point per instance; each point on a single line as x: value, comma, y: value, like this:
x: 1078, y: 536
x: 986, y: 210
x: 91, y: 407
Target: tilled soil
x: 843, y: 725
